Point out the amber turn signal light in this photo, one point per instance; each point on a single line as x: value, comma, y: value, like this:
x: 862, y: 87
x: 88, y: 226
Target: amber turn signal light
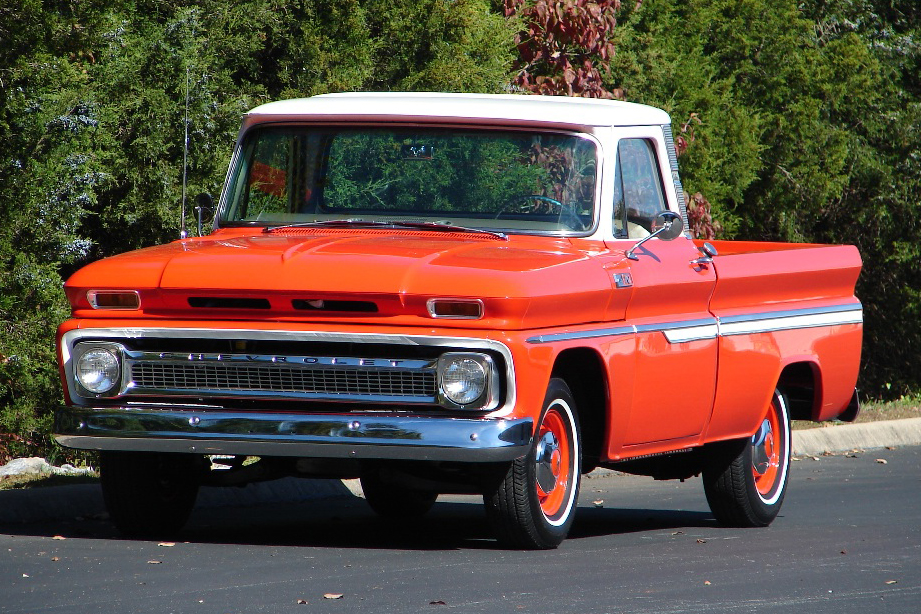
x: 114, y: 300
x: 455, y: 308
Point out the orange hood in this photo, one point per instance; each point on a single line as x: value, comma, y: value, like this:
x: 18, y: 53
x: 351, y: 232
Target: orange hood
x: 524, y: 282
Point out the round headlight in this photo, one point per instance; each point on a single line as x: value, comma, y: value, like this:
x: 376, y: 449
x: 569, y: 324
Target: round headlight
x: 463, y: 380
x: 98, y: 370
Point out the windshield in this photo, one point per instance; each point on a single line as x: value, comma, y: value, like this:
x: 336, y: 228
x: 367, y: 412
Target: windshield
x: 497, y: 180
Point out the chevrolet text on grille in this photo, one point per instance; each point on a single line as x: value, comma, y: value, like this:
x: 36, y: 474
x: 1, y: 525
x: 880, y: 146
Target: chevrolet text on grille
x: 297, y: 360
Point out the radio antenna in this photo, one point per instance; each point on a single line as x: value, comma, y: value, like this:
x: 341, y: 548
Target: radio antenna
x: 183, y: 233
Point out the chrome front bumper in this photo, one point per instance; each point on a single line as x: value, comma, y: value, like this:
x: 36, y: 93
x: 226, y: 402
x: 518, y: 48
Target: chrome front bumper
x: 360, y: 436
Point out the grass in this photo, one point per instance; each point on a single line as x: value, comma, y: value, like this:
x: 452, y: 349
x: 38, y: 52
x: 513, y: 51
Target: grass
x: 874, y: 411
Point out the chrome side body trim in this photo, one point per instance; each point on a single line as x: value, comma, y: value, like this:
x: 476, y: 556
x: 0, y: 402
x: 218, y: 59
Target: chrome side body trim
x: 692, y: 333
x: 583, y: 334
x: 695, y: 330
x: 362, y: 436
x: 684, y: 332
x: 788, y: 320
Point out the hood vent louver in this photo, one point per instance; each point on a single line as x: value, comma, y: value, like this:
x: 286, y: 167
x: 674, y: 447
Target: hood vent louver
x: 220, y: 302
x: 315, y: 305
x: 340, y: 306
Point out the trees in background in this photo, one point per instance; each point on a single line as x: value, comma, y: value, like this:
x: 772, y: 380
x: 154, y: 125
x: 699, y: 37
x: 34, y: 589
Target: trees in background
x: 564, y: 46
x: 92, y: 106
x: 807, y: 127
x: 799, y: 121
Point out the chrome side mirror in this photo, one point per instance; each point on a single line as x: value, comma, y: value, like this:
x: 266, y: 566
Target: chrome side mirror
x: 667, y: 226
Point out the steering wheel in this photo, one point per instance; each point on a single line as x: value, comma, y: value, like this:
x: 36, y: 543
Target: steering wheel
x: 537, y: 204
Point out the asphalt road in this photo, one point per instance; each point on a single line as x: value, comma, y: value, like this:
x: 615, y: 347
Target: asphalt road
x: 848, y: 541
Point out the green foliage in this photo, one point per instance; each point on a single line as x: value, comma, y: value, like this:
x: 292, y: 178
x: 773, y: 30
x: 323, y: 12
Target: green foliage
x: 802, y: 122
x: 564, y: 45
x: 92, y: 123
x: 439, y: 45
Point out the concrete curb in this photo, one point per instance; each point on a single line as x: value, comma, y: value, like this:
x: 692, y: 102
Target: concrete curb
x: 58, y: 503
x: 865, y: 436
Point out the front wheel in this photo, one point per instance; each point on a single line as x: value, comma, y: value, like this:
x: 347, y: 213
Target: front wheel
x: 391, y: 500
x: 534, y: 504
x: 746, y: 482
x: 149, y: 494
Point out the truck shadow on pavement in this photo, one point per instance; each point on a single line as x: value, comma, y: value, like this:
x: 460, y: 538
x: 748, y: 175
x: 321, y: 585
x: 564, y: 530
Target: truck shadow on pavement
x: 349, y: 523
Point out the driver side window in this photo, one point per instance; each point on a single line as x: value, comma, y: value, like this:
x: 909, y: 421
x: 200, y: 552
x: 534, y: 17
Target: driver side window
x: 638, y: 193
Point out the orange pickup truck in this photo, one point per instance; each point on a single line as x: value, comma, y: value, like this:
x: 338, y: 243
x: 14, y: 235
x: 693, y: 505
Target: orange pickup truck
x: 447, y: 293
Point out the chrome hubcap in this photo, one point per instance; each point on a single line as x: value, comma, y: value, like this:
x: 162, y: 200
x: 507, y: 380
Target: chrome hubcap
x: 763, y: 455
x: 548, y: 462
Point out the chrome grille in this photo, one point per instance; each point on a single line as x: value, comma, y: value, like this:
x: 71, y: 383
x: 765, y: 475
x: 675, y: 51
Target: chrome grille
x: 237, y: 378
x: 280, y: 377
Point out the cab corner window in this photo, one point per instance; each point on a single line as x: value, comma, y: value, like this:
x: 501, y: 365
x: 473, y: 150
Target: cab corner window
x: 638, y: 193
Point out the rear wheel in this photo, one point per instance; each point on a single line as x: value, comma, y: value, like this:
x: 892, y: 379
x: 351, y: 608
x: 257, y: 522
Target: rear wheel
x: 534, y: 504
x: 746, y: 482
x: 149, y: 494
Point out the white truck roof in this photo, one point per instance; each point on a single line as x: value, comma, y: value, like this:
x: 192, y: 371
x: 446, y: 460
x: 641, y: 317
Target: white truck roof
x: 497, y: 109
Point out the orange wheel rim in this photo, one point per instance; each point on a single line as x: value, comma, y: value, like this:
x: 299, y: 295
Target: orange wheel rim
x: 554, y: 464
x: 766, y: 452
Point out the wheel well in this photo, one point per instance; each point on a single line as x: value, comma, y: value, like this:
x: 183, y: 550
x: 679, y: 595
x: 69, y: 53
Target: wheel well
x: 583, y: 371
x: 798, y: 382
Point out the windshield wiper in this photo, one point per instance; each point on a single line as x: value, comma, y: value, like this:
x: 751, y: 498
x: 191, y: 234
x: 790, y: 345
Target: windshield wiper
x: 352, y: 223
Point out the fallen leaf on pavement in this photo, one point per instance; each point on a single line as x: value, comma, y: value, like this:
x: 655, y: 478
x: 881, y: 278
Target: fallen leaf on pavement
x: 439, y: 602
x: 301, y: 602
x: 54, y: 558
x: 892, y: 581
x: 332, y: 596
x: 706, y: 582
x: 882, y: 461
x: 701, y: 541
x: 154, y: 562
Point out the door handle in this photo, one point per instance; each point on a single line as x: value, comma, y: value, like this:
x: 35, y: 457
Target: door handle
x: 708, y: 252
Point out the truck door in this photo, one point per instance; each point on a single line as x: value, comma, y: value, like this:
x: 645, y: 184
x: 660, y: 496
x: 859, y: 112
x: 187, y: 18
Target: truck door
x: 675, y: 361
